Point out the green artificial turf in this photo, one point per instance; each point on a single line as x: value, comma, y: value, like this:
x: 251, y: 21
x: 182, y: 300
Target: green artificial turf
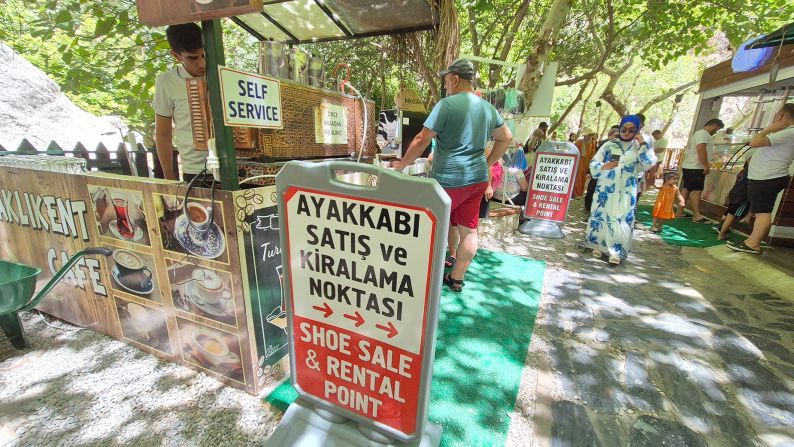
x: 482, y: 341
x: 684, y: 232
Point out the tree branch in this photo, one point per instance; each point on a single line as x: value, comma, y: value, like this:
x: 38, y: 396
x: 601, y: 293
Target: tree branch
x: 569, y: 108
x: 605, y: 51
x: 608, y: 94
x: 661, y: 97
x: 518, y: 19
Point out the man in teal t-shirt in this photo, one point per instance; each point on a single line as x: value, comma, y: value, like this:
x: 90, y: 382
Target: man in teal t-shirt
x: 461, y: 123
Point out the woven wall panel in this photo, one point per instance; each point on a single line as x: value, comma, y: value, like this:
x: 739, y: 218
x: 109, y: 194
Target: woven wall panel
x: 296, y: 139
x: 248, y: 169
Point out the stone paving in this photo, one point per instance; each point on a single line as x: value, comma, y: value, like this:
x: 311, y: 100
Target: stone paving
x: 672, y: 348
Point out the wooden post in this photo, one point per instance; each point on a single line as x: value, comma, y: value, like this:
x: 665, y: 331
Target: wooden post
x: 224, y: 140
x: 141, y: 157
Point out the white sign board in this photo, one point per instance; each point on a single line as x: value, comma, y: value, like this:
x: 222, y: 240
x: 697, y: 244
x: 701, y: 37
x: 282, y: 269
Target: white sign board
x: 553, y: 173
x: 250, y: 100
x: 330, y: 124
x: 360, y: 274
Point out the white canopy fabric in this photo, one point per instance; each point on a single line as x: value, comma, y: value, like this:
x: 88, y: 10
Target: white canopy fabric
x: 306, y: 21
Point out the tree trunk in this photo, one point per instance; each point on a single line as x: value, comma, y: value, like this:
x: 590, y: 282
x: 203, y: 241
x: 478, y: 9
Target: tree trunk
x: 518, y: 19
x: 382, y: 88
x: 670, y: 120
x: 476, y: 46
x: 608, y: 94
x: 569, y: 108
x: 447, y: 38
x: 544, y: 44
x: 584, y: 108
x: 427, y: 74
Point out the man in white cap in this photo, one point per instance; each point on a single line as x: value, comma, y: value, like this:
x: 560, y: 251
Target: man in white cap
x: 462, y: 123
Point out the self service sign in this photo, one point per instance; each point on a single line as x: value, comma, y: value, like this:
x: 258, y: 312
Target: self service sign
x: 364, y: 277
x: 250, y: 100
x: 552, y: 182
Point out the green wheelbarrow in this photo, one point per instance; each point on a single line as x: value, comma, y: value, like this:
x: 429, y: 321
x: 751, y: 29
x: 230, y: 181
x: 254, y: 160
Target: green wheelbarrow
x: 17, y: 284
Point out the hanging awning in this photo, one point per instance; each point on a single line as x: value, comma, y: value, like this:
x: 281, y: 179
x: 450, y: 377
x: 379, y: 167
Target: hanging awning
x: 783, y: 36
x: 307, y: 21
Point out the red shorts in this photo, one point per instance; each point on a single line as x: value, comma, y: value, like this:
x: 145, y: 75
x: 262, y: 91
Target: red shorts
x: 465, y: 208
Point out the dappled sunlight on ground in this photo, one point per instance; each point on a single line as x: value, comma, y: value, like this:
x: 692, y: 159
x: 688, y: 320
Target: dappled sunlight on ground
x: 673, y: 347
x: 670, y: 348
x: 80, y: 388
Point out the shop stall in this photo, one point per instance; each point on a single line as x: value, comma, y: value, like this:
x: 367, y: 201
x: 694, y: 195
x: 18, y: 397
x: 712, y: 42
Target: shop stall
x: 767, y: 78
x: 195, y: 276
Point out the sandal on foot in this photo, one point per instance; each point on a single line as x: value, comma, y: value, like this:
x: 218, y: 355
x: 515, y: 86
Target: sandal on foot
x: 656, y: 230
x: 702, y: 219
x: 449, y: 262
x: 455, y: 284
x: 614, y: 260
x: 597, y: 253
x: 743, y: 247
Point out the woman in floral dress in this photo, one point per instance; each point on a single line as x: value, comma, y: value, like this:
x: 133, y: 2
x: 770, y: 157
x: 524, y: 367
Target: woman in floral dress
x: 616, y: 166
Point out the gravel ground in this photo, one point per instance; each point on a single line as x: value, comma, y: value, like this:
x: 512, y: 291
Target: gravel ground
x: 78, y: 387
x: 675, y: 347
x: 633, y: 355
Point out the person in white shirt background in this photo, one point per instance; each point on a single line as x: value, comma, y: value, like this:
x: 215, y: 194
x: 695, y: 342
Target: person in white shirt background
x: 768, y: 174
x: 696, y: 166
x: 172, y: 112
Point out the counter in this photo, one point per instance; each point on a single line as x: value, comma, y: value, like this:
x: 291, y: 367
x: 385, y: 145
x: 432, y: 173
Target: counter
x: 206, y: 295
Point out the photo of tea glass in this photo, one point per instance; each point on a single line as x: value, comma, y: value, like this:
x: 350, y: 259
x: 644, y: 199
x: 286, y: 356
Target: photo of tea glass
x: 120, y: 214
x: 193, y: 228
x: 211, y: 349
x: 144, y: 325
x: 202, y: 291
x: 134, y: 273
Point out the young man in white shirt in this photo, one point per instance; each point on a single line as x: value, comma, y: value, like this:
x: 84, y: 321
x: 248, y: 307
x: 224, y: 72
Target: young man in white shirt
x: 696, y: 165
x: 768, y: 174
x: 172, y: 112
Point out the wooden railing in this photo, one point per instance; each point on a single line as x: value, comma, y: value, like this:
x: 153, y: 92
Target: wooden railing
x: 672, y: 158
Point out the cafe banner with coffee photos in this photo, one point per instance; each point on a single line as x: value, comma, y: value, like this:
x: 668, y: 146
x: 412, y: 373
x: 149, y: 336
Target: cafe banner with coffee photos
x: 195, y: 275
x: 194, y: 280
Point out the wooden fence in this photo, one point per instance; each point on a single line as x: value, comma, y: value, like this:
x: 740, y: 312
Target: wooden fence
x: 142, y: 162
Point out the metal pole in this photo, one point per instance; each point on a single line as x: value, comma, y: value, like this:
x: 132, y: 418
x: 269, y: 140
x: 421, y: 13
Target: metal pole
x: 224, y: 140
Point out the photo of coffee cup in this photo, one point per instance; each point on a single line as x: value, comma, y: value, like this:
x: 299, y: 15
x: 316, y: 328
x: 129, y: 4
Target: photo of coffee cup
x: 139, y: 319
x: 209, y: 286
x: 199, y: 217
x: 130, y: 271
x: 212, y: 347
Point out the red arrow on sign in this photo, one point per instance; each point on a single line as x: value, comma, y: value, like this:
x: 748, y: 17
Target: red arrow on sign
x: 357, y: 318
x: 327, y: 309
x: 392, y: 331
